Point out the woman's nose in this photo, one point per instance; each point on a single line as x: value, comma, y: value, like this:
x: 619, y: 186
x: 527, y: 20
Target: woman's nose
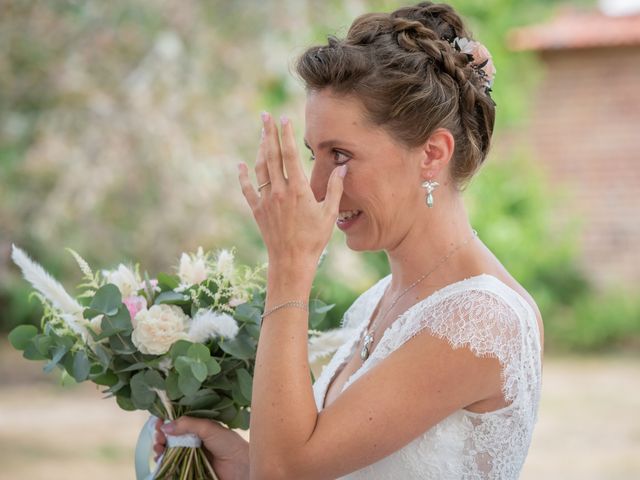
x: 319, y: 179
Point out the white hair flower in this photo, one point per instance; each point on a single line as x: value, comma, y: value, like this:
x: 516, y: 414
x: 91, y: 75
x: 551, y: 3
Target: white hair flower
x: 207, y: 324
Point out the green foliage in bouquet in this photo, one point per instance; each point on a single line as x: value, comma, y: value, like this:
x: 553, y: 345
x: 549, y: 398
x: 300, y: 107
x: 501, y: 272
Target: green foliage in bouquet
x: 178, y: 344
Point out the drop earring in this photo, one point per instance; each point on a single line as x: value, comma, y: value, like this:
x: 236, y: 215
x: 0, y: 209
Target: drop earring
x: 430, y: 186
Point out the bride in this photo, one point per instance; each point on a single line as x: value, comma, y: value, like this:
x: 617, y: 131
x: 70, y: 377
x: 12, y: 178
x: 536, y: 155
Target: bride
x: 441, y: 377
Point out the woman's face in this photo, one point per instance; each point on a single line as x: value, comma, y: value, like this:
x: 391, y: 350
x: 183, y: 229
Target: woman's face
x: 382, y: 193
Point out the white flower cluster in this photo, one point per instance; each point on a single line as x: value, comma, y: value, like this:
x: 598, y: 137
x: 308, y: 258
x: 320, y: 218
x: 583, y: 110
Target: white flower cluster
x: 159, y: 327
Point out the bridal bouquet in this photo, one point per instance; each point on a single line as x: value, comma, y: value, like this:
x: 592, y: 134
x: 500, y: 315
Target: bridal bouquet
x: 177, y: 344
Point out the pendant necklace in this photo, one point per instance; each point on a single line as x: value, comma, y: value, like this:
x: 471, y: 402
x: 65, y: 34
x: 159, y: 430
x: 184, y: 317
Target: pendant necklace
x: 368, y: 339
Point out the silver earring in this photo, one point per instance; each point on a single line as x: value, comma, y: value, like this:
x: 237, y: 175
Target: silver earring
x: 430, y: 186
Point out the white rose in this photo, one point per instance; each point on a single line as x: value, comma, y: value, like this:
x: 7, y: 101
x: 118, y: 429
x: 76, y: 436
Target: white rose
x: 125, y: 279
x: 193, y: 268
x: 158, y: 328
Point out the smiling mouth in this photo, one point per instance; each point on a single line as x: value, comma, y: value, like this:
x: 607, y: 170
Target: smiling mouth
x: 347, y: 215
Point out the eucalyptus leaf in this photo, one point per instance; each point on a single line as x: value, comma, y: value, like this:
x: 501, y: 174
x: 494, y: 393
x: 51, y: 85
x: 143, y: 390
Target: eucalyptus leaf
x: 104, y: 357
x: 172, y: 387
x: 241, y: 420
x: 199, y: 371
x: 168, y: 282
x: 248, y: 314
x: 119, y: 322
x: 154, y: 380
x: 224, y: 403
x: 133, y: 368
x: 81, y: 366
x: 246, y: 382
x: 203, y: 399
x: 220, y: 382
x: 210, y: 414
x: 188, y: 384
x: 228, y: 414
x: 116, y: 387
x: 213, y: 367
x: 238, y: 397
x: 107, y: 379
x: 43, y: 344
x: 31, y: 352
x: 172, y: 298
x: 141, y: 393
x: 106, y: 300
x: 317, y: 312
x: 179, y: 349
x: 198, y: 352
x: 183, y: 365
x: 125, y: 403
x: 122, y: 344
x: 22, y: 335
x: 58, y: 353
x: 242, y: 347
x: 253, y: 330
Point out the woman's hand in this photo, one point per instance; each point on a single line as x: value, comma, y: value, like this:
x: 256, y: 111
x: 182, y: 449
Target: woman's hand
x: 294, y: 226
x: 227, y: 451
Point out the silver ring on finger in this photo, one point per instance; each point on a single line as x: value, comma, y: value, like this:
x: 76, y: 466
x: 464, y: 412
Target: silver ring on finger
x: 261, y: 186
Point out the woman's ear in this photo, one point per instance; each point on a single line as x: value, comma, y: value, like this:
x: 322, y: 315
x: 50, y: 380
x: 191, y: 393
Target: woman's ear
x: 437, y: 153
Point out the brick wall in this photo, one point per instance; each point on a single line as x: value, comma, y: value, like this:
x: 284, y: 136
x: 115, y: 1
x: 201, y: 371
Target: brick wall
x: 586, y: 132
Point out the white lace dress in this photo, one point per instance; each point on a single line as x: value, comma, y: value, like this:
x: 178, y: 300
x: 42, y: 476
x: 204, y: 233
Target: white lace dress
x: 491, y: 319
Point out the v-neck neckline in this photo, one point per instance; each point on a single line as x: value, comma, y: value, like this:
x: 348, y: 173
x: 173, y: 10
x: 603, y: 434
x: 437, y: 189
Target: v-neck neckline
x: 364, y: 325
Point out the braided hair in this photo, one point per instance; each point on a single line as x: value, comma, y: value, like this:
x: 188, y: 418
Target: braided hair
x: 406, y: 70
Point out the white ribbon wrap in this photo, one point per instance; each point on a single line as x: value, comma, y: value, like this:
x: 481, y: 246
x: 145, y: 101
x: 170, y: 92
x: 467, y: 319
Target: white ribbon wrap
x: 189, y: 440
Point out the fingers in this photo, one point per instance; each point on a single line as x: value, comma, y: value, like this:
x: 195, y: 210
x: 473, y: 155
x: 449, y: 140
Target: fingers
x: 201, y: 427
x: 271, y: 153
x: 248, y: 191
x: 290, y: 157
x: 334, y: 190
x: 262, y: 172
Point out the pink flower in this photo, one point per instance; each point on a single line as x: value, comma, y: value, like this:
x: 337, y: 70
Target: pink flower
x: 481, y: 57
x: 134, y: 304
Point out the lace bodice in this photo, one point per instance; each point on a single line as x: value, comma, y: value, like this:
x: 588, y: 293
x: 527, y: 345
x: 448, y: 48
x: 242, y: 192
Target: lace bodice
x: 488, y: 317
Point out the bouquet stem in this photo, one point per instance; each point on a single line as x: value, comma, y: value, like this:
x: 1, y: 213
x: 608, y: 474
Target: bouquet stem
x: 185, y: 463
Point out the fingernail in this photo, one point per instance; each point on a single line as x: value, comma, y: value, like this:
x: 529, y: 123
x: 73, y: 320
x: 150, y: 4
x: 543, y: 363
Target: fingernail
x: 284, y: 120
x: 343, y: 170
x: 265, y: 116
x: 168, y: 428
x: 262, y: 134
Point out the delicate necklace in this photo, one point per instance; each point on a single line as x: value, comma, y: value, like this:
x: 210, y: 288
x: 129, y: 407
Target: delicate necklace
x: 368, y: 339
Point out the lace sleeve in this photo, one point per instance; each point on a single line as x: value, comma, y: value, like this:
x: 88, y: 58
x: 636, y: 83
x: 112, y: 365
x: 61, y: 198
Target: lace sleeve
x: 490, y: 323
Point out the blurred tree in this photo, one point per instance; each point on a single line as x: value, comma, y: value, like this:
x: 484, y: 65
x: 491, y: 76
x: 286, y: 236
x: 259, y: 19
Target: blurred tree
x: 121, y: 122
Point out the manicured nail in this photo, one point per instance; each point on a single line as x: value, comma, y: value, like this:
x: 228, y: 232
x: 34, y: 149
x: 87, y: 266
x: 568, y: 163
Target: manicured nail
x: 284, y: 120
x: 343, y: 170
x: 168, y: 428
x: 265, y: 116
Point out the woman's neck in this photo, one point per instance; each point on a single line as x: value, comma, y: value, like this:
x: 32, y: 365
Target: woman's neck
x: 438, y: 233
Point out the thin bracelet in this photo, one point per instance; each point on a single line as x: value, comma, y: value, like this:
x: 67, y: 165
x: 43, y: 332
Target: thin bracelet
x: 291, y: 304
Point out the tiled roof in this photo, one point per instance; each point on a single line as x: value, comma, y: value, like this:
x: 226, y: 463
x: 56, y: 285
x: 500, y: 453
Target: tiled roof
x: 577, y: 30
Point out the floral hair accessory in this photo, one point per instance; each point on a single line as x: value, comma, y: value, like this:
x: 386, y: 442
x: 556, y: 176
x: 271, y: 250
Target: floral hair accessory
x: 480, y: 58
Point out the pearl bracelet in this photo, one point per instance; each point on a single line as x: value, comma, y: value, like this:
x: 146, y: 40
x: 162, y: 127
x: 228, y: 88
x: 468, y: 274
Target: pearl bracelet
x: 291, y: 304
